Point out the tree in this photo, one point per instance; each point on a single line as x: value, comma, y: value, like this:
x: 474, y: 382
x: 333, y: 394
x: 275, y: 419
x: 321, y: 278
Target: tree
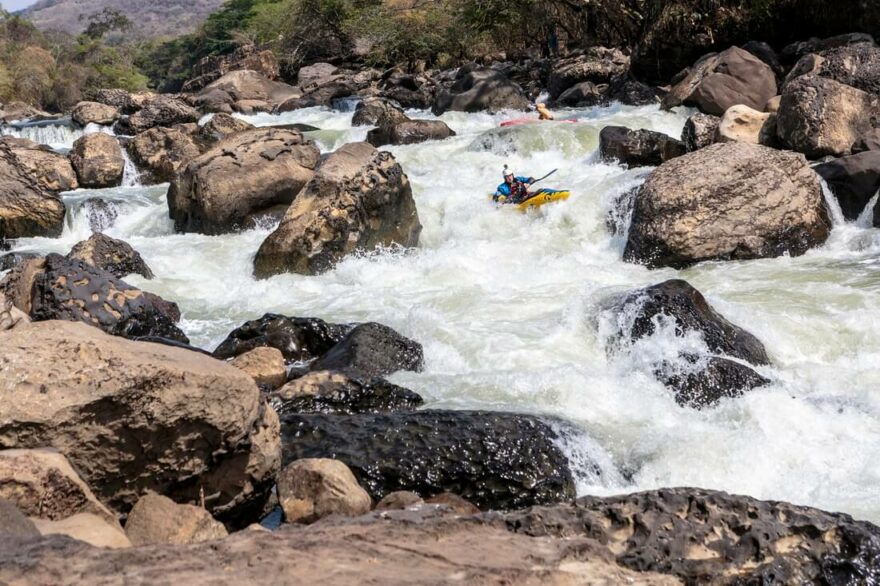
x: 101, y: 23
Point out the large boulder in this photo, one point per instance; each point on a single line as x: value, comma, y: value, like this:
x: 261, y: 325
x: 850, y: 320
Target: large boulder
x: 359, y: 200
x: 479, y: 90
x: 27, y: 206
x: 743, y: 124
x: 98, y: 161
x: 245, y: 173
x: 324, y: 391
x: 160, y: 153
x: 595, y: 65
x: 85, y: 113
x: 699, y: 378
x: 581, y: 95
x: 244, y: 91
x: 298, y: 338
x: 246, y: 57
x: 50, y: 169
x: 794, y: 51
x: 638, y: 148
x: 495, y: 460
x: 222, y: 125
x: 854, y: 180
x: 43, y: 485
x: 409, y: 132
x: 123, y: 100
x: 857, y: 66
x: 372, y: 350
x: 408, y: 89
x: 159, y: 110
x: 819, y: 116
x: 60, y: 288
x: 156, y: 519
x: 114, y: 256
x: 699, y: 131
x: 136, y: 417
x: 730, y: 201
x: 314, y: 488
x: 718, y: 81
x: 377, y: 112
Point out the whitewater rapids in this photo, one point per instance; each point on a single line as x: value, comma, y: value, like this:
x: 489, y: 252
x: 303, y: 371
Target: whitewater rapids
x: 507, y: 307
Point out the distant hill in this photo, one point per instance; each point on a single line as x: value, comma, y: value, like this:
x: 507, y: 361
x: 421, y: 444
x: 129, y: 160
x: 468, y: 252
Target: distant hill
x: 151, y: 18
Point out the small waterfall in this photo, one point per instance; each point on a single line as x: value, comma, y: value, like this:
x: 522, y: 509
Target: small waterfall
x: 866, y: 218
x: 131, y: 177
x: 58, y: 134
x: 834, y: 210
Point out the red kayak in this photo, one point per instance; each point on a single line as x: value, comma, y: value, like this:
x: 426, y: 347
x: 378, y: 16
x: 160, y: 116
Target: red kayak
x: 521, y: 121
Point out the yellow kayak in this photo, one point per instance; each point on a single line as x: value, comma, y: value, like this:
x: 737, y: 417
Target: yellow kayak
x: 540, y: 198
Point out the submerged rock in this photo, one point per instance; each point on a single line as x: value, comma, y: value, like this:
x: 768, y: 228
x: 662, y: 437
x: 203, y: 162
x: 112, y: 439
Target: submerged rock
x: 114, y: 256
x: 243, y: 174
x: 638, y: 148
x: 325, y: 391
x: 359, y: 200
x: 298, y: 338
x: 98, y: 161
x: 146, y: 417
x: 756, y: 202
x: 311, y: 489
x: 495, y: 460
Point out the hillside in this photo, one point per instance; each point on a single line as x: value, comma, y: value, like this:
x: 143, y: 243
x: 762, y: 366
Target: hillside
x: 152, y: 18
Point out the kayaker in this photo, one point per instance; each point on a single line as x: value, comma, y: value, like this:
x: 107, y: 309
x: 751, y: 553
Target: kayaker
x: 514, y: 189
x: 543, y: 112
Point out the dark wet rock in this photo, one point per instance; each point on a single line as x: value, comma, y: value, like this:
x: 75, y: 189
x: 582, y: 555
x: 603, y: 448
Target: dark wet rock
x: 101, y: 214
x: 160, y: 153
x: 819, y: 116
x: 697, y: 380
x: 703, y: 536
x: 409, y: 132
x: 373, y: 350
x: 718, y: 81
x: 869, y: 141
x: 14, y: 524
x: 337, y: 392
x: 632, y: 92
x: 359, y: 200
x: 582, y: 95
x: 684, y: 215
x: 765, y: 53
x: 298, y: 338
x: 495, y: 460
x: 477, y: 90
x: 14, y: 259
x: 854, y: 180
x: 59, y: 288
x: 596, y: 64
x: 241, y: 175
x: 699, y: 131
x: 98, y: 161
x: 638, y: 148
x: 134, y: 417
x: 793, y: 52
x: 407, y: 89
x: 377, y: 112
x: 114, y: 256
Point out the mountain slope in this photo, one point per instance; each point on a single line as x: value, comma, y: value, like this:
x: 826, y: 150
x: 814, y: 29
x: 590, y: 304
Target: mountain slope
x: 151, y: 18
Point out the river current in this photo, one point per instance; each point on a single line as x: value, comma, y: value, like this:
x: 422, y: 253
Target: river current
x: 509, y: 309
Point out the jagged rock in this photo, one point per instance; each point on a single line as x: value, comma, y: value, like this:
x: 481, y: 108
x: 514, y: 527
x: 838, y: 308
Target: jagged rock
x: 114, y: 256
x: 311, y: 489
x: 359, y: 200
x: 409, y: 132
x: 336, y: 392
x: 631, y: 92
x: 13, y: 523
x: 51, y: 170
x: 407, y: 89
x: 143, y: 417
x: 43, y: 485
x: 222, y: 125
x: 263, y: 364
x: 699, y: 131
x: 718, y: 81
x: 98, y: 161
x: 637, y: 148
x: 596, y: 65
x: 377, y: 112
x: 86, y: 113
x: 241, y: 175
x: 123, y: 100
x: 243, y: 91
x: 819, y: 117
x: 698, y: 380
x: 88, y: 528
x: 156, y: 519
x: 298, y: 338
x: 59, y: 288
x: 857, y: 66
x: 27, y: 207
x: 372, y: 350
x: 478, y: 90
x: 160, y: 153
x: 684, y: 215
x: 246, y: 57
x: 854, y: 180
x: 495, y: 460
x: 743, y: 124
x: 793, y: 52
x: 159, y: 110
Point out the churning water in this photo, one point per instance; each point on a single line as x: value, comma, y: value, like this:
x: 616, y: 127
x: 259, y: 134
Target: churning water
x: 508, y: 308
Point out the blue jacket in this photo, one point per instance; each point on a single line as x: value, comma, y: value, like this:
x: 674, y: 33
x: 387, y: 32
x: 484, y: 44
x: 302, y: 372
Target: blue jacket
x: 504, y: 188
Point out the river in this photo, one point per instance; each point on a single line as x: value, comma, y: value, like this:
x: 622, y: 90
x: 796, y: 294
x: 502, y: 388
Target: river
x: 508, y: 308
